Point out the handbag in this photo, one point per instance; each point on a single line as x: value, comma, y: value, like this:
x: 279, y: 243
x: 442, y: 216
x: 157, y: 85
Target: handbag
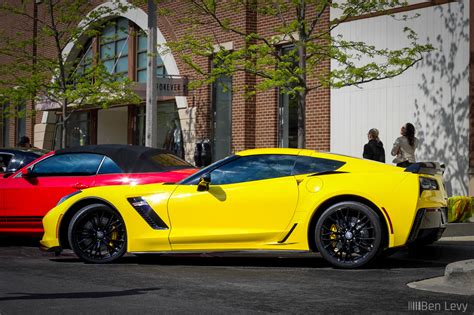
x: 399, y: 159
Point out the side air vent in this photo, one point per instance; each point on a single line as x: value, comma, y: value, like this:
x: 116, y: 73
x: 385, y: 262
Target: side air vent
x: 147, y: 213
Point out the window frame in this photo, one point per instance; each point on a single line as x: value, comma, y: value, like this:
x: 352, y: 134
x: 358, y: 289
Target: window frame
x: 103, y: 41
x: 160, y: 66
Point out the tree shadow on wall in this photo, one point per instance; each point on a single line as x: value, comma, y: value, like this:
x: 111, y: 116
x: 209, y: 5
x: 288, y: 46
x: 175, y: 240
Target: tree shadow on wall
x: 440, y: 117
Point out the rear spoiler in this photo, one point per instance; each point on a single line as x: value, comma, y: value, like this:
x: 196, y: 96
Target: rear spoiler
x: 430, y: 168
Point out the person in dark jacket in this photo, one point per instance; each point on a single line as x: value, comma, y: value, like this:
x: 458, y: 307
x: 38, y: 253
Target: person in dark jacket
x: 374, y: 150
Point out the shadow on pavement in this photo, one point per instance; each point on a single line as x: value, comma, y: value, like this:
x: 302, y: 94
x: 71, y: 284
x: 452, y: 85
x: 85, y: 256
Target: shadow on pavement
x: 75, y: 295
x: 14, y: 240
x: 433, y: 256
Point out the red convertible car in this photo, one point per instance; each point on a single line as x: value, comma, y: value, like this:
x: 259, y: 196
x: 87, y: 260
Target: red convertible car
x: 29, y: 193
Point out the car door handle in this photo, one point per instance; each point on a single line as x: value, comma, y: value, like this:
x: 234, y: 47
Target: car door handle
x: 80, y: 186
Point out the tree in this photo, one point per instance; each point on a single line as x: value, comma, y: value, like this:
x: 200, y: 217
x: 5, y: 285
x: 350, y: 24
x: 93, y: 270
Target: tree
x: 301, y: 25
x: 36, y: 67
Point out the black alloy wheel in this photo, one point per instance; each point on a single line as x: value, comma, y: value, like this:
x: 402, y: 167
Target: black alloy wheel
x: 97, y: 234
x: 349, y: 234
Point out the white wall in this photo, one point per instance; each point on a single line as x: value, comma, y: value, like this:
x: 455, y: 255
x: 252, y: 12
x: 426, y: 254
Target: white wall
x: 433, y: 95
x: 112, y: 126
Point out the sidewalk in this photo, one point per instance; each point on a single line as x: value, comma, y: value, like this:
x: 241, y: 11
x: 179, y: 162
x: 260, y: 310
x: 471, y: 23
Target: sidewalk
x: 458, y: 279
x: 458, y: 276
x: 459, y: 229
x: 458, y: 232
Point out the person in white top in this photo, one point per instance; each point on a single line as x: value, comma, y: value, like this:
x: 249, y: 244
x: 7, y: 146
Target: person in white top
x: 404, y: 147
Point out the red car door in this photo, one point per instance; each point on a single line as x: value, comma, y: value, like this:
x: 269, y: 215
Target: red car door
x: 27, y: 198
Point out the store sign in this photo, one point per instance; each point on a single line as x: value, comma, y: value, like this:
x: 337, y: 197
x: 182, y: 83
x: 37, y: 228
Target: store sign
x: 45, y: 104
x: 172, y: 86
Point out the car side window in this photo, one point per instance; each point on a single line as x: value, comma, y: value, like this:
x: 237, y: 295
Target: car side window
x: 109, y: 167
x: 69, y: 164
x: 307, y: 164
x: 253, y: 167
x: 4, y: 162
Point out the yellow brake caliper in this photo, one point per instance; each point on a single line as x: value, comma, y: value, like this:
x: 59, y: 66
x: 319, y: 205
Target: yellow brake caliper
x: 333, y: 235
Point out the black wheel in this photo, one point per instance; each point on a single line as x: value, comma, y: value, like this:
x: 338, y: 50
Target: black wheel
x: 348, y: 234
x: 97, y: 234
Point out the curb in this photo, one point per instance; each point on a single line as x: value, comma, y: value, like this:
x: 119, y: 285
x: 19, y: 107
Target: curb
x: 459, y: 229
x: 458, y: 279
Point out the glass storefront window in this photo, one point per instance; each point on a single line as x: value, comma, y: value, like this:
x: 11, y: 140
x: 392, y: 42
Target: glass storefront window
x: 222, y: 118
x: 78, y: 130
x: 288, y: 127
x: 139, y: 132
x: 21, y: 122
x: 170, y: 135
x: 288, y: 115
x: 5, y: 125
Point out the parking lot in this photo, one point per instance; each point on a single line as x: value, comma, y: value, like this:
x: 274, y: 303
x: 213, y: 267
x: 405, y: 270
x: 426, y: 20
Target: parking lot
x: 36, y: 282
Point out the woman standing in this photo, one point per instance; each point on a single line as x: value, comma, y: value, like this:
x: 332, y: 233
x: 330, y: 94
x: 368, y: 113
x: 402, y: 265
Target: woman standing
x: 374, y: 150
x: 404, y: 147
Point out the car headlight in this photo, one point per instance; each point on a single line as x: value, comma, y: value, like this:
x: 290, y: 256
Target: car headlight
x: 428, y: 184
x: 67, y: 197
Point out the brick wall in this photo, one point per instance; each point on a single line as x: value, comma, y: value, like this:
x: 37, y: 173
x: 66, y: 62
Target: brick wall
x: 254, y: 120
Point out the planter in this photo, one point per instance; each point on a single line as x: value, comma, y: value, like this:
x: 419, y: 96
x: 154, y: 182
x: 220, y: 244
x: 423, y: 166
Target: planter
x: 460, y: 208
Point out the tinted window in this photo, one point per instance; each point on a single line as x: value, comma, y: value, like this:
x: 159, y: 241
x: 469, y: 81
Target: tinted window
x: 254, y: 167
x: 109, y: 167
x: 306, y: 164
x: 169, y: 161
x: 194, y: 179
x: 69, y: 164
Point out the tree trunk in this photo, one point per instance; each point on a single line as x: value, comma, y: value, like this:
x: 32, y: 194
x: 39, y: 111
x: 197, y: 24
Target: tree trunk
x: 301, y: 95
x: 63, y: 126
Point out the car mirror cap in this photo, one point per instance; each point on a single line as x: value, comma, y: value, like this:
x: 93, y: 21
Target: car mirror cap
x: 204, y: 182
x: 206, y: 177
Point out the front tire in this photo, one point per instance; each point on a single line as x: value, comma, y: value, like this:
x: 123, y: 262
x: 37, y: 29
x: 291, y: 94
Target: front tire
x: 97, y: 234
x: 349, y: 234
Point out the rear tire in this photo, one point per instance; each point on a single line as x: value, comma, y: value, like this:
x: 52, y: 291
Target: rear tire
x: 349, y: 235
x: 97, y: 234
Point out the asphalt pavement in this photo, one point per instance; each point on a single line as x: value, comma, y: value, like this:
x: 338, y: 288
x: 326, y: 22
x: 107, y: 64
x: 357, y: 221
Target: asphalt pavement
x: 32, y: 282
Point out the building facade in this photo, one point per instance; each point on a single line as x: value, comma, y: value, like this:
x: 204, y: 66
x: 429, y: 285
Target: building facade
x: 435, y: 95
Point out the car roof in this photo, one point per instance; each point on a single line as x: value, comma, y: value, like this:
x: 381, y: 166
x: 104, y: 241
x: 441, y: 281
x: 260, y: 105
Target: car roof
x: 130, y: 158
x: 276, y: 151
x: 27, y: 151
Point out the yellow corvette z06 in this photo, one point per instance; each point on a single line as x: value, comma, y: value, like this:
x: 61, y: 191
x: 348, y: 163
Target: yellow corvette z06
x: 349, y: 209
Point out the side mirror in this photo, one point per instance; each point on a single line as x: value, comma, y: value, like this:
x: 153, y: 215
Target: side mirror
x: 8, y: 174
x: 204, y: 182
x: 27, y: 173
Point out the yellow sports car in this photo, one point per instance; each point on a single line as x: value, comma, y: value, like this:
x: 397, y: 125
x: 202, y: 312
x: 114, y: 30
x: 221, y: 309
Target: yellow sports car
x: 348, y: 209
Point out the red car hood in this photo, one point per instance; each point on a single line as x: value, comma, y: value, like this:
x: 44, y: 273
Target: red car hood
x: 144, y: 178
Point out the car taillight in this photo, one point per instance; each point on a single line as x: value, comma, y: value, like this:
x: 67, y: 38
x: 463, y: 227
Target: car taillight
x: 428, y: 184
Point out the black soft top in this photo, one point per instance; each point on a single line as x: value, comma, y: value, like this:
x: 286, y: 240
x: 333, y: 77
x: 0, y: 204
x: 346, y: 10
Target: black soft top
x: 133, y: 158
